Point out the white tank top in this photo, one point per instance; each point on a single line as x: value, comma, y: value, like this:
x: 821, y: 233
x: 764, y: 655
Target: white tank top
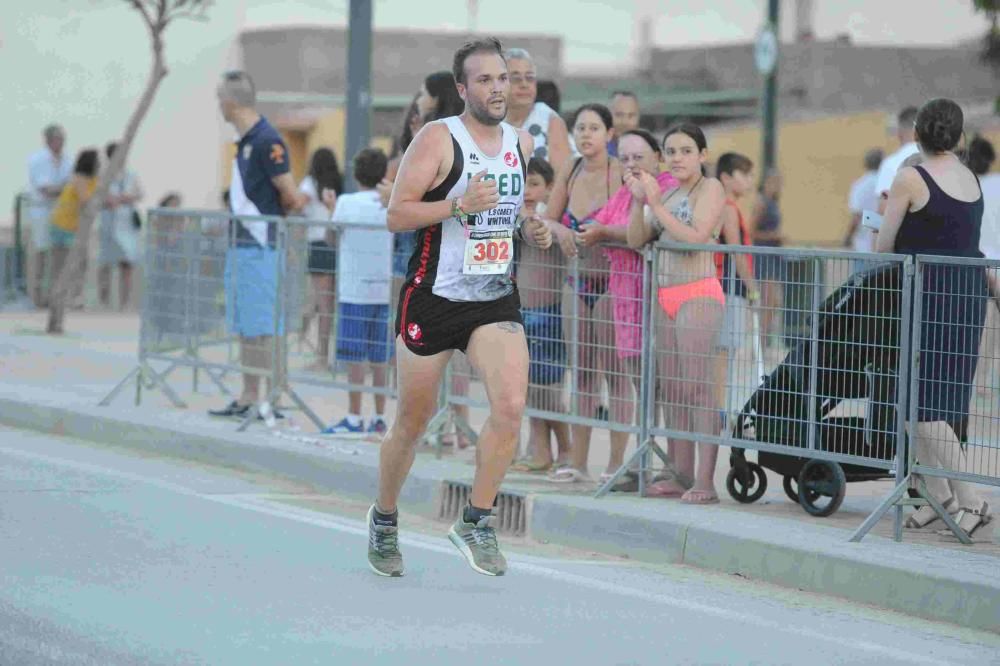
x: 537, y: 125
x: 471, y: 259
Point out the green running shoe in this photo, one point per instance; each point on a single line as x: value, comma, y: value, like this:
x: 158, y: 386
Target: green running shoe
x: 478, y: 543
x: 384, y: 557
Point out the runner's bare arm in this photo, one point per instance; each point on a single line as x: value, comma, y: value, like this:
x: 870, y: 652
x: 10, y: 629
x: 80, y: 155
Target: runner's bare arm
x: 426, y: 163
x: 292, y: 200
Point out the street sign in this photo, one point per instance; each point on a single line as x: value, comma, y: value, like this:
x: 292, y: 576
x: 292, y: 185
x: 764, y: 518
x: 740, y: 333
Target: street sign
x: 765, y: 50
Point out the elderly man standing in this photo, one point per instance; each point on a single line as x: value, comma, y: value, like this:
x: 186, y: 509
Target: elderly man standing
x: 48, y: 172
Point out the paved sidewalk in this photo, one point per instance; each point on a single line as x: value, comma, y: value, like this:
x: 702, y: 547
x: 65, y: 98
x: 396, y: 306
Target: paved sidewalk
x: 54, y: 384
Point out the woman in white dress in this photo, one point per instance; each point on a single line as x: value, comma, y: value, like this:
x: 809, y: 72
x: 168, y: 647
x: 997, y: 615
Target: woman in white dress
x: 119, y: 235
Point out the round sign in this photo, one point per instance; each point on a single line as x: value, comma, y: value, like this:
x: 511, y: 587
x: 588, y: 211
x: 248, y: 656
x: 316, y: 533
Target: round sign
x: 765, y: 50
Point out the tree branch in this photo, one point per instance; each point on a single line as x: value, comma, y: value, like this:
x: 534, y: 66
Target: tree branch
x: 71, y: 272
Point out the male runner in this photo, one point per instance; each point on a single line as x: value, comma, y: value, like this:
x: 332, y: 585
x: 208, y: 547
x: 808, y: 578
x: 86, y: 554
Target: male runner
x: 461, y: 186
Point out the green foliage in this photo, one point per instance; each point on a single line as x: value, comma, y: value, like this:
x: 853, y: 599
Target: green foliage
x: 991, y: 43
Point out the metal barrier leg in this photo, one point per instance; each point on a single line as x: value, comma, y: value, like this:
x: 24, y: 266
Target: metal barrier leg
x: 440, y: 423
x: 645, y: 395
x: 217, y: 380
x: 310, y: 414
x: 141, y: 373
x: 113, y: 393
x: 161, y: 381
x: 649, y: 445
x: 461, y: 427
x: 944, y: 515
x: 889, y: 502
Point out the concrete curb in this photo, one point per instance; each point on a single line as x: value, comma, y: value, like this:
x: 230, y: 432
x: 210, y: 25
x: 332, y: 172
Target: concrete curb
x: 950, y: 586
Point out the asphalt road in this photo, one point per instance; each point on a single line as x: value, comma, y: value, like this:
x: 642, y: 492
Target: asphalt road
x: 108, y: 558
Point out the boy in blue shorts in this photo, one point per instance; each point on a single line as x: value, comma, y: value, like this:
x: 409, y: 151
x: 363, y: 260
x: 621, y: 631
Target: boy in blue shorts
x: 364, y: 289
x: 540, y: 274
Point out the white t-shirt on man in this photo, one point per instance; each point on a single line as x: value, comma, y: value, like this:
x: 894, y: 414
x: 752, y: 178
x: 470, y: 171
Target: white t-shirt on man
x: 890, y: 165
x: 863, y: 197
x: 364, y: 250
x: 989, y: 238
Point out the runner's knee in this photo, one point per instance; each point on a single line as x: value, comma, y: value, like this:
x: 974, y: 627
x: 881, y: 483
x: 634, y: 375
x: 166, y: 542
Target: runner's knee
x: 507, y: 410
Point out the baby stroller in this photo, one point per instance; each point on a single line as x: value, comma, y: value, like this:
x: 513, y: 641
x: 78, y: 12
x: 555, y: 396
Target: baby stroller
x: 858, y: 355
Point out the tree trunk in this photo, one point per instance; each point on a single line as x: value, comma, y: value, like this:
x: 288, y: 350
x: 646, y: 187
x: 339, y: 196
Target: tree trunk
x: 72, y: 272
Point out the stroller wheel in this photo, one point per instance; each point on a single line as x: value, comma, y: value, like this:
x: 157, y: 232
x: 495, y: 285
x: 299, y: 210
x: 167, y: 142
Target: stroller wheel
x: 790, y: 484
x: 820, y: 479
x: 746, y: 486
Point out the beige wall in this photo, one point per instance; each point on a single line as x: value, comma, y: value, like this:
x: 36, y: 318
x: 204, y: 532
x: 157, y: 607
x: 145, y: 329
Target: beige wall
x: 818, y: 160
x: 328, y: 131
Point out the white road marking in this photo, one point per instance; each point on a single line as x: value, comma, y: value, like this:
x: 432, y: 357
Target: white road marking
x: 524, y: 564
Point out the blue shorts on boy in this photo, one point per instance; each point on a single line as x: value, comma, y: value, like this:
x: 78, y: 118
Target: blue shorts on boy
x: 546, y: 349
x: 363, y: 333
x: 364, y: 283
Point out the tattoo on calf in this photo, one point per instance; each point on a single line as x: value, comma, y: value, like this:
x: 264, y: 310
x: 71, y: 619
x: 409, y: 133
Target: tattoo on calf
x: 509, y: 326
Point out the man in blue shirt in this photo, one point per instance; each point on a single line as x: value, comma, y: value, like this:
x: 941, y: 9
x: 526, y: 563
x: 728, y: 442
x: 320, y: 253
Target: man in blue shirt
x: 261, y: 184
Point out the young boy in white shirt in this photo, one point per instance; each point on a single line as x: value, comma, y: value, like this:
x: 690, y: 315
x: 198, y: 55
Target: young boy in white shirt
x: 364, y: 264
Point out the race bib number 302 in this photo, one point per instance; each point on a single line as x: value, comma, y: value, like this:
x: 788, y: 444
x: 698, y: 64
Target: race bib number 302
x: 488, y: 252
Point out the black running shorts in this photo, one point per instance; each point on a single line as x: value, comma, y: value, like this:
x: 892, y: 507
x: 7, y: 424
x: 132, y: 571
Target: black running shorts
x: 430, y: 324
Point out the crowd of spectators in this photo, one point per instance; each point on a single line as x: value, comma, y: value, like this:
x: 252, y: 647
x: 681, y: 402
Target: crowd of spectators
x: 58, y: 189
x: 606, y: 188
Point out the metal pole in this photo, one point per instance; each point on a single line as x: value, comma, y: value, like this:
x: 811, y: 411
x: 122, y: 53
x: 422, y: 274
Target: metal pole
x: 359, y: 66
x: 812, y: 393
x: 770, y: 101
x: 20, y: 282
x: 902, y: 397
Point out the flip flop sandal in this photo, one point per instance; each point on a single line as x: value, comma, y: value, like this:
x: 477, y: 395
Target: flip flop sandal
x: 567, y: 475
x: 708, y: 498
x: 529, y: 466
x: 982, y: 518
x: 670, y: 474
x: 926, y: 515
x: 628, y: 483
x: 666, y: 488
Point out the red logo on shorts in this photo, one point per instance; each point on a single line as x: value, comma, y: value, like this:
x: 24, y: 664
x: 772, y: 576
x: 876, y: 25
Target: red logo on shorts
x: 510, y: 159
x: 414, y: 332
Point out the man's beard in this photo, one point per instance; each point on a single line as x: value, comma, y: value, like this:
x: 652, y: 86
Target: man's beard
x: 482, y: 114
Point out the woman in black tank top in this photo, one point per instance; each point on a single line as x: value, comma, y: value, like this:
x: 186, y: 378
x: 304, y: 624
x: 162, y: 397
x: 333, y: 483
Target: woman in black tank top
x: 922, y: 218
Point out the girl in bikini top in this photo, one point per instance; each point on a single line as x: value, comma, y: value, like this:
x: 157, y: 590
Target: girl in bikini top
x: 681, y: 209
x: 569, y: 220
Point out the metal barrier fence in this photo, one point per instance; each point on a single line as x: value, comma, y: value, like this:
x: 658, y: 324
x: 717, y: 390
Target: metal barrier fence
x: 650, y: 344
x: 13, y: 276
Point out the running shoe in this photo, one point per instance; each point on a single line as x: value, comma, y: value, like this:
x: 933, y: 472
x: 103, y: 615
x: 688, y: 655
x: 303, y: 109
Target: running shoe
x: 344, y: 428
x: 378, y: 426
x: 384, y: 557
x: 232, y: 410
x: 478, y: 543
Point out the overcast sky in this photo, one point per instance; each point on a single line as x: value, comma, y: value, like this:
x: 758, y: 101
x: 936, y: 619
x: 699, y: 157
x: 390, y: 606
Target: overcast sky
x: 596, y: 32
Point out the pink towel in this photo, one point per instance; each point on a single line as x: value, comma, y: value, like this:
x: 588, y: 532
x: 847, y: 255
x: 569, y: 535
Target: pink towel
x: 625, y: 282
